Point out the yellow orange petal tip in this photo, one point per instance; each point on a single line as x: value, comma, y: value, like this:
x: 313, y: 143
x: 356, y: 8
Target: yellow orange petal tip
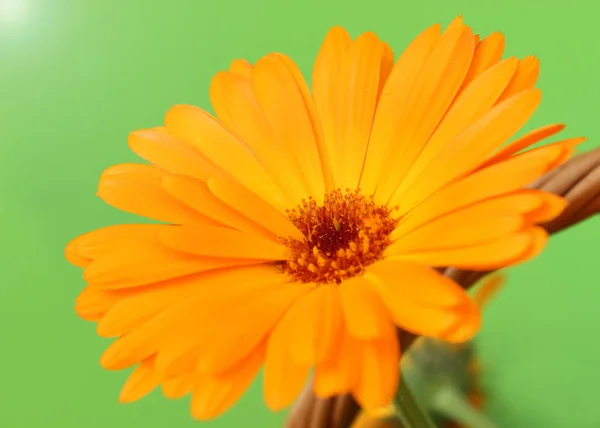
x: 241, y: 67
x: 368, y: 37
x: 336, y: 30
x: 456, y: 23
x: 489, y: 288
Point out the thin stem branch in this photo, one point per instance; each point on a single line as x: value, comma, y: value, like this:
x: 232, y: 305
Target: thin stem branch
x: 409, y: 411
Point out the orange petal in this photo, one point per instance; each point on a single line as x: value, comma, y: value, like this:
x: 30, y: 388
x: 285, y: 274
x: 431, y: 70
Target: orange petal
x: 523, y: 202
x: 100, y: 242
x: 512, y: 148
x: 140, y: 192
x: 470, y: 106
x: 182, y: 326
x: 278, y: 93
x: 214, y: 241
x: 136, y: 265
x: 471, y: 226
x: 339, y: 373
x: 235, y: 337
x: 385, y: 69
x: 223, y: 91
x: 202, y: 131
x: 501, y: 178
x: 174, y: 360
x: 365, y: 315
x: 392, y: 105
x: 357, y: 96
x: 416, y: 283
x: 456, y: 23
x: 123, y: 353
x: 566, y: 148
x: 284, y: 377
x: 379, y: 373
x: 73, y: 257
x: 181, y: 352
x: 241, y: 67
x: 171, y: 154
x: 489, y: 256
x: 197, y: 195
x: 235, y: 103
x: 487, y: 54
x: 553, y: 205
x: 424, y: 319
x: 325, y: 77
x: 539, y: 239
x: 472, y: 147
x: 141, y: 382
x: 93, y: 302
x: 247, y: 203
x: 132, y: 311
x: 329, y: 321
x: 489, y: 287
x: 466, y: 326
x: 179, y: 386
x: 487, y: 220
x: 311, y: 108
x: 214, y: 394
x: 132, y: 168
x: 523, y: 142
x: 434, y: 91
x: 524, y: 79
x: 301, y: 322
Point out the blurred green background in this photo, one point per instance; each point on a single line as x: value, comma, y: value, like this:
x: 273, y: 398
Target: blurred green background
x: 77, y: 75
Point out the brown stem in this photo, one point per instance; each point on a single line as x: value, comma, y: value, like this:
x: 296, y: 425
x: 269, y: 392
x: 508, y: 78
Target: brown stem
x: 578, y: 180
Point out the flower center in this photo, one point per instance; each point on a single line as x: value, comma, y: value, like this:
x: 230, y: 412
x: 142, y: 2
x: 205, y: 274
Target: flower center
x: 342, y: 236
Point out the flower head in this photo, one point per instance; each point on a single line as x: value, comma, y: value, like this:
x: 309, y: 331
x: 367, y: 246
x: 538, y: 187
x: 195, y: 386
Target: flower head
x: 299, y: 228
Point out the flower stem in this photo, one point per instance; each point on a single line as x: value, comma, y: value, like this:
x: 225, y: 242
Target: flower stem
x: 453, y: 404
x: 409, y: 411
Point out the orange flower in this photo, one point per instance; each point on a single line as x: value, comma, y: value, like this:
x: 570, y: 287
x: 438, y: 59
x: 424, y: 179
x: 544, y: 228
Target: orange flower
x: 302, y: 225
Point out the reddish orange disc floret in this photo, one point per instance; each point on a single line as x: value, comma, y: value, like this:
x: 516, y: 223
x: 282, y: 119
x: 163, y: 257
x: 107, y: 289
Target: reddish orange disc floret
x: 342, y: 236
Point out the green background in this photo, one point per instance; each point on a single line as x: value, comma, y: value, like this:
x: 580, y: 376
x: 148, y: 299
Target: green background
x: 76, y: 76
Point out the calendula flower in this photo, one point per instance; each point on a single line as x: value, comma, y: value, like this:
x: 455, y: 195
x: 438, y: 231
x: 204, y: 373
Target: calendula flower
x: 303, y: 226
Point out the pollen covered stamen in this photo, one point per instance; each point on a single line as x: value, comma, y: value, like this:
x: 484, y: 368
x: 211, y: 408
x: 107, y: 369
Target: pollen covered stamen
x: 342, y: 236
